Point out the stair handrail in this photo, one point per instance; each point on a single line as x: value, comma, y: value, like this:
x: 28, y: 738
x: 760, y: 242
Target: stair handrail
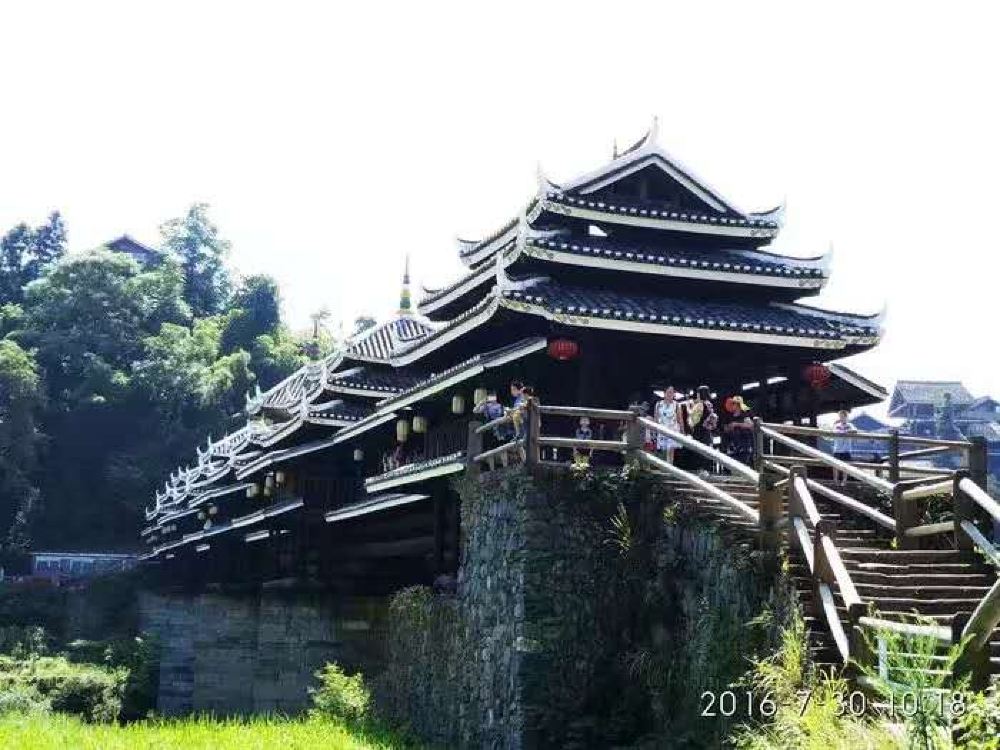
x: 794, y: 429
x: 737, y: 467
x: 707, y: 487
x: 841, y: 499
x: 825, y: 563
x: 877, y: 483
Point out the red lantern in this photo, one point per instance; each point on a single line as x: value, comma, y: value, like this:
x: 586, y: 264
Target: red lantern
x: 563, y: 350
x: 817, y: 375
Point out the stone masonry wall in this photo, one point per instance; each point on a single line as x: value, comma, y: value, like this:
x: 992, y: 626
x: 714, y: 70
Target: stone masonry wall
x: 583, y: 617
x: 255, y: 653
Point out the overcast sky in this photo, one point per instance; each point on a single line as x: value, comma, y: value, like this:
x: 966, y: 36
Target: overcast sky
x: 333, y: 138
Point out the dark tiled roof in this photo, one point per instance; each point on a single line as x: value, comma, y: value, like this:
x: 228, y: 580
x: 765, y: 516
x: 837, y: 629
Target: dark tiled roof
x: 932, y: 392
x: 766, y: 318
x: 484, y: 360
x: 381, y: 341
x: 341, y: 411
x: 732, y: 261
x: 654, y: 210
x: 369, y: 379
x: 416, y: 467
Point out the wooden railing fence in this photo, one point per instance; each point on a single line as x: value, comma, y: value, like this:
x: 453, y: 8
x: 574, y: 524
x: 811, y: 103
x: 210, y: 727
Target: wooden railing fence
x: 780, y: 471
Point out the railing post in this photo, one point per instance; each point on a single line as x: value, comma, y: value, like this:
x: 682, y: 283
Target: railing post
x: 474, y: 446
x: 769, y: 515
x: 974, y: 662
x: 858, y: 647
x: 758, y: 446
x: 978, y: 458
x: 532, y: 431
x: 903, y: 511
x: 633, y: 436
x: 964, y: 510
x: 794, y: 501
x: 894, y: 456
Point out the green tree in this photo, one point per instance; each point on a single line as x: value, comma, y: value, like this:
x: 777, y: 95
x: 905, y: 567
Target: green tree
x: 255, y: 310
x: 25, y: 253
x: 201, y: 251
x: 20, y: 400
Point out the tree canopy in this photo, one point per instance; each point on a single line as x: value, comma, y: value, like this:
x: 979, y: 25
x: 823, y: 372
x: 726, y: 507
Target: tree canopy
x: 111, y: 372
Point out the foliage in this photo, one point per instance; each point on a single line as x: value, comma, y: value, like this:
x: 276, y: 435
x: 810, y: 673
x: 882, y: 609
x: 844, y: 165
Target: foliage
x: 138, y: 657
x: 915, y: 666
x: 44, y: 732
x: 112, y: 371
x: 816, y: 724
x: 20, y: 442
x: 26, y: 252
x: 255, y: 311
x: 88, y: 691
x: 341, y: 696
x: 979, y: 728
x: 201, y: 251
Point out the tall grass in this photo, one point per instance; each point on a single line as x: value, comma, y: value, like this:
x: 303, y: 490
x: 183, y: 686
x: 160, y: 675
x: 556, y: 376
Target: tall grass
x: 51, y: 731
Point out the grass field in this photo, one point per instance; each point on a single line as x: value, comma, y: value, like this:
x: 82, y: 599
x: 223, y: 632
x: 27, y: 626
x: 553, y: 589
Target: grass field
x: 49, y: 731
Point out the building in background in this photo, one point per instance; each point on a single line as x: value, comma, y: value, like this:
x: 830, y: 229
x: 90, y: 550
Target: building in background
x: 936, y: 409
x: 69, y: 565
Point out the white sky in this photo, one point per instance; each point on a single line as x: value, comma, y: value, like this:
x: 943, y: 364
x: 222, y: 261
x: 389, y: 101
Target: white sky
x: 331, y: 139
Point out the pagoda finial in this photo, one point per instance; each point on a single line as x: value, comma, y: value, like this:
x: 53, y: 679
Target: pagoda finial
x: 654, y: 132
x: 404, y: 296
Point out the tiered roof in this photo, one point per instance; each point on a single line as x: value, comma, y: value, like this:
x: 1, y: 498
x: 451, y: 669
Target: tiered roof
x: 641, y: 245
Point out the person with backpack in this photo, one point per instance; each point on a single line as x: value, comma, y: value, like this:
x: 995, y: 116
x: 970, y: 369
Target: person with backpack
x: 704, y: 422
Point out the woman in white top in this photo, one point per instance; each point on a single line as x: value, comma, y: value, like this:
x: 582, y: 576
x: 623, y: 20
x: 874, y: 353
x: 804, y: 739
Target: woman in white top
x: 842, y: 444
x: 667, y: 413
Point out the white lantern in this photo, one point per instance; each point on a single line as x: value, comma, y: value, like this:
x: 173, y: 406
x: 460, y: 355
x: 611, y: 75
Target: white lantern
x: 202, y: 515
x: 419, y: 424
x: 212, y: 510
x: 359, y: 455
x: 208, y: 525
x: 252, y: 491
x: 479, y: 396
x: 279, y: 477
x: 458, y: 404
x: 402, y: 430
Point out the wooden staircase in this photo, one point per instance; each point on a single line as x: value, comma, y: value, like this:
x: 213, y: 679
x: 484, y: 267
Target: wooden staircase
x: 860, y: 574
x: 934, y: 584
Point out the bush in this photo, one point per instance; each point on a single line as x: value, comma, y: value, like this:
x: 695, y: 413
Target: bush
x: 341, y: 696
x: 23, y: 640
x: 23, y: 700
x: 91, y: 692
x: 138, y: 656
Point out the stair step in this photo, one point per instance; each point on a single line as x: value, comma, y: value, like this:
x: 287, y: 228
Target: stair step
x: 908, y: 556
x: 922, y: 579
x: 869, y: 590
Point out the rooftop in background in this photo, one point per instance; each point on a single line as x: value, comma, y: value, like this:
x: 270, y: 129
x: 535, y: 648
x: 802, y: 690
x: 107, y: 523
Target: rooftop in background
x: 928, y: 393
x: 143, y: 254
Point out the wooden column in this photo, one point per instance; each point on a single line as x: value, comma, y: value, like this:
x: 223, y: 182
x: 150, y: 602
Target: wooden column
x: 532, y: 431
x: 904, y: 513
x: 978, y: 461
x: 965, y: 510
x: 894, y: 456
x: 440, y: 530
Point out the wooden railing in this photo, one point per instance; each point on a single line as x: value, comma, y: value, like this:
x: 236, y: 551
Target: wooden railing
x: 775, y: 474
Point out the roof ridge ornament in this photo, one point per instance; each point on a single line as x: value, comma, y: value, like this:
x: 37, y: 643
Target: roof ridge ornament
x: 545, y: 185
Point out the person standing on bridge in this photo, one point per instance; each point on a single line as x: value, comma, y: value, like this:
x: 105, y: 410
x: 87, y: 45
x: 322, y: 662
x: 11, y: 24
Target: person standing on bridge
x: 842, y: 444
x: 666, y: 413
x: 703, y: 422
